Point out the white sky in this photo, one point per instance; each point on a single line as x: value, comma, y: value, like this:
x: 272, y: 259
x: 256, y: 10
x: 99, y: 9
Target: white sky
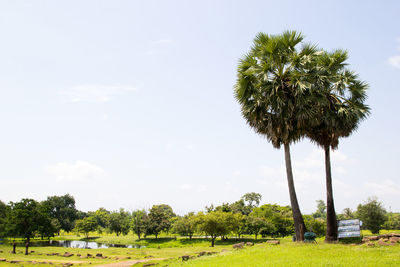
x: 130, y: 103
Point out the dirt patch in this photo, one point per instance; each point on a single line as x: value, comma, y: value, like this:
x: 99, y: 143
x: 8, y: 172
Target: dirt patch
x: 128, y: 263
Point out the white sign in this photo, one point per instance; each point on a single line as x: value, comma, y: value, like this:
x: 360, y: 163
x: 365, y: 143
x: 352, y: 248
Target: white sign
x: 349, y: 228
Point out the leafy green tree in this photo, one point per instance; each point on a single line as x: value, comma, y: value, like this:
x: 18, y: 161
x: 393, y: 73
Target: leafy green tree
x: 339, y: 101
x: 321, y: 210
x: 25, y: 219
x: 186, y: 225
x: 3, y: 215
x: 214, y: 224
x: 372, y: 214
x: 246, y: 204
x: 119, y: 222
x: 140, y: 222
x: 86, y: 225
x: 346, y: 215
x: 238, y: 224
x: 279, y: 216
x: 274, y: 92
x: 159, y: 219
x: 102, y: 217
x: 255, y: 224
x: 315, y: 224
x: 63, y: 209
x: 393, y: 222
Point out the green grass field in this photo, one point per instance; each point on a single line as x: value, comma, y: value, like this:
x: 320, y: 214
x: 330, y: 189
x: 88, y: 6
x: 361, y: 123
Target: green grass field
x: 171, y: 250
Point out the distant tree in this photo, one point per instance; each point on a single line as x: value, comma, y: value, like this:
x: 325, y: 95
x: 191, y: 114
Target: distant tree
x: 279, y: 216
x: 159, y: 219
x: 25, y: 219
x: 393, y: 222
x: 225, y: 207
x: 119, y: 222
x: 86, y: 225
x: 347, y: 214
x: 255, y: 224
x: 140, y: 222
x: 3, y: 215
x: 321, y: 210
x: 372, y: 214
x: 63, y: 209
x: 214, y: 224
x: 186, y: 225
x: 238, y: 224
x: 102, y: 217
x: 253, y: 199
x: 315, y: 224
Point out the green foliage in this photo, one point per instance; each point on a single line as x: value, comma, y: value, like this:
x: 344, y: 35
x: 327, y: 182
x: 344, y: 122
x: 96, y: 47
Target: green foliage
x: 159, y: 219
x: 279, y: 216
x: 372, y: 214
x: 3, y: 214
x: 215, y: 223
x: 140, y: 222
x: 86, y: 225
x: 119, y: 222
x: 27, y: 218
x: 102, y: 217
x: 347, y: 214
x: 186, y: 225
x: 393, y: 222
x: 321, y: 210
x: 63, y: 209
x: 316, y: 225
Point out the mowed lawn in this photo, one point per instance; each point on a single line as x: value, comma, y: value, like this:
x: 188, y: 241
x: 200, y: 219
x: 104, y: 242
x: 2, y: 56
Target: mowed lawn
x: 292, y: 254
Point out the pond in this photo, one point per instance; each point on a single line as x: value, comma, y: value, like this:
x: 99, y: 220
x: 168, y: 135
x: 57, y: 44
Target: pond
x: 79, y: 244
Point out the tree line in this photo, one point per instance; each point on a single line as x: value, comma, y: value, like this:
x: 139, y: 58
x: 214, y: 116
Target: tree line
x: 28, y: 219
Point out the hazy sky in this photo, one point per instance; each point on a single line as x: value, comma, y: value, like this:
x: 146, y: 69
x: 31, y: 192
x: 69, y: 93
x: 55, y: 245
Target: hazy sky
x: 130, y: 103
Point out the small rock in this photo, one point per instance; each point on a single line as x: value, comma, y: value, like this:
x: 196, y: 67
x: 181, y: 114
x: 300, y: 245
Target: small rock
x: 365, y: 239
x: 148, y: 256
x: 3, y: 259
x: 149, y: 264
x: 185, y: 257
x: 67, y: 254
x: 83, y: 257
x: 373, y: 238
x: 99, y: 255
x: 78, y: 255
x: 89, y: 255
x: 249, y: 244
x: 274, y: 242
x: 370, y: 244
x: 238, y: 245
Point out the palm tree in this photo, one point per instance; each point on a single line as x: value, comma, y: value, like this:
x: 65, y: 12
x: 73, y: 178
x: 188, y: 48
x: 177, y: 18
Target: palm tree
x: 274, y: 92
x: 340, y: 104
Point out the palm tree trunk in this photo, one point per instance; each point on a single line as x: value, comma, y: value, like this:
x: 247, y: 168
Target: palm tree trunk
x: 331, y: 223
x: 299, y: 225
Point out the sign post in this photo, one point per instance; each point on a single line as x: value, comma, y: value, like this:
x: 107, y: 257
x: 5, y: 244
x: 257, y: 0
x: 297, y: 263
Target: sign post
x: 349, y: 228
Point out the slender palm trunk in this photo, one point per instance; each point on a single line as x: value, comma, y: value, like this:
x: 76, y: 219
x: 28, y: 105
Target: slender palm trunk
x: 299, y: 225
x: 331, y: 223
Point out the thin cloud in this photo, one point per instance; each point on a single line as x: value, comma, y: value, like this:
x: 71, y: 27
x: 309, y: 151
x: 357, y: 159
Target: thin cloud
x: 80, y: 171
x: 394, y: 61
x: 163, y: 42
x: 93, y: 93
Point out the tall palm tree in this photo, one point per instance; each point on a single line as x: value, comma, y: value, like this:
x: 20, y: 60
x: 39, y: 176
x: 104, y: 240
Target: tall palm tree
x: 340, y: 104
x: 273, y: 90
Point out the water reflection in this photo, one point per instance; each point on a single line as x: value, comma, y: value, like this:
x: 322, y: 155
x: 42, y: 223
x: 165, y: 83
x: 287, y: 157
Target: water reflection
x: 80, y: 244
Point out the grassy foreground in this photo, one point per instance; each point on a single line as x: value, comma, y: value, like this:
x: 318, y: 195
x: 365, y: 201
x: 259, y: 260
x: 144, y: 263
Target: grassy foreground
x: 292, y: 254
